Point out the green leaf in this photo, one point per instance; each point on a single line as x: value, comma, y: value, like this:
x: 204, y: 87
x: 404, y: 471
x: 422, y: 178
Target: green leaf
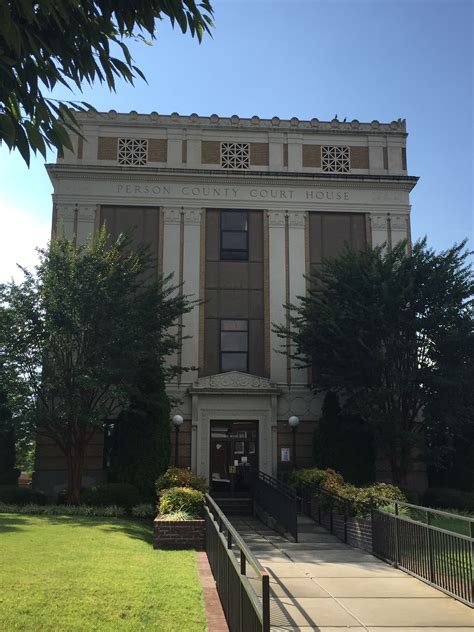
x: 7, y: 130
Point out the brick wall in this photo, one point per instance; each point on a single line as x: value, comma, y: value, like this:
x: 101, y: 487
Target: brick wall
x: 189, y: 534
x: 311, y: 155
x: 304, y: 444
x: 184, y: 447
x: 359, y: 157
x: 107, y: 148
x: 210, y: 152
x: 359, y: 530
x: 258, y: 154
x: 157, y: 150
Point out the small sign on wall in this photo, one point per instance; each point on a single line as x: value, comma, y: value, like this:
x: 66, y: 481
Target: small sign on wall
x: 285, y: 455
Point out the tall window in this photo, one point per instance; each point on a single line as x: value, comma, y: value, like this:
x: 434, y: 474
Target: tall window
x: 234, y: 235
x: 234, y: 342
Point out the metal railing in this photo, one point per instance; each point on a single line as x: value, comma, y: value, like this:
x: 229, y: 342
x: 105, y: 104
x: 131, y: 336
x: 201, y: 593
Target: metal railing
x: 335, y: 505
x: 404, y: 534
x: 439, y: 556
x: 278, y: 500
x: 232, y: 563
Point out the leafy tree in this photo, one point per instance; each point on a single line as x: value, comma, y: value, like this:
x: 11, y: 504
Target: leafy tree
x: 450, y: 435
x: 8, y: 473
x: 390, y: 332
x: 48, y: 43
x: 343, y: 443
x: 78, y: 331
x: 141, y: 436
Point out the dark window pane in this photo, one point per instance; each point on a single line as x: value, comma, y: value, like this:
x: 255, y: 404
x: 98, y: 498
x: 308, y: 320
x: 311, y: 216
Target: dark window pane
x: 234, y: 341
x: 234, y: 241
x: 234, y: 362
x: 234, y: 220
x: 234, y: 325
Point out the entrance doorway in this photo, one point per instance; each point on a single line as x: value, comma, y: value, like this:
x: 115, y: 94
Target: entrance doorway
x: 234, y: 456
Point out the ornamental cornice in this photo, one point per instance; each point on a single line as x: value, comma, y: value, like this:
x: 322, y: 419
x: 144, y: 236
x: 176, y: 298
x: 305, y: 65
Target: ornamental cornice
x: 194, y: 121
x: 262, y: 178
x: 234, y: 382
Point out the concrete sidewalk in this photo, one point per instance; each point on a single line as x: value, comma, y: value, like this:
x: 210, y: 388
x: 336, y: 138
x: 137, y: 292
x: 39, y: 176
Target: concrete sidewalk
x: 322, y: 584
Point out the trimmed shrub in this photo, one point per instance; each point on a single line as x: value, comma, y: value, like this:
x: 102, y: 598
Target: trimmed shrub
x: 63, y: 510
x: 308, y: 482
x: 144, y: 510
x: 177, y: 516
x: 181, y: 499
x: 448, y: 498
x: 311, y: 482
x: 14, y: 495
x: 180, y: 477
x: 120, y: 494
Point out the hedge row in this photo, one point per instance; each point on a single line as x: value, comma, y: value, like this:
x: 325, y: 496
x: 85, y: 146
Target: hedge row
x: 314, y: 482
x: 112, y: 511
x: 447, y: 498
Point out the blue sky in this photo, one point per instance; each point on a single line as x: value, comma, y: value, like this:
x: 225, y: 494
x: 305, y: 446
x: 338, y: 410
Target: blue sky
x: 373, y: 59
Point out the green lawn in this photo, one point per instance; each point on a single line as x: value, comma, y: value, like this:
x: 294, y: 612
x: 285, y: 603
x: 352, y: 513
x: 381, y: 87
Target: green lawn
x: 83, y: 574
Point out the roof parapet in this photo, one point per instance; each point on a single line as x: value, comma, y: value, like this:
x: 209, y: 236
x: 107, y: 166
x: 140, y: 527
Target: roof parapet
x: 255, y: 122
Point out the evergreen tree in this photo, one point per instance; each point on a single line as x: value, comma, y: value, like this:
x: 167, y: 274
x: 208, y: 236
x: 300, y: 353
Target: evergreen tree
x: 393, y: 332
x: 344, y: 443
x: 141, y: 436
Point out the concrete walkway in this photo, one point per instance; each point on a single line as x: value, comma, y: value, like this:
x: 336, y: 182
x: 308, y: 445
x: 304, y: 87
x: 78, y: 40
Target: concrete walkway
x: 322, y: 584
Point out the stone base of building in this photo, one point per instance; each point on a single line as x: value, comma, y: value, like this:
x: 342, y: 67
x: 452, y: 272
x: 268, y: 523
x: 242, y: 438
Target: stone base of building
x: 187, y: 534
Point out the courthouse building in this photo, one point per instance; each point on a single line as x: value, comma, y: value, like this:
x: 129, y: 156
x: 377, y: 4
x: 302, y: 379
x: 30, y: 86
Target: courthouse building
x: 239, y: 210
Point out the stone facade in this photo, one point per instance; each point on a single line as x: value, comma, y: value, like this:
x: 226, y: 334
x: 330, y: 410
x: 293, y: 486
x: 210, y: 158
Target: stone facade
x: 305, y: 188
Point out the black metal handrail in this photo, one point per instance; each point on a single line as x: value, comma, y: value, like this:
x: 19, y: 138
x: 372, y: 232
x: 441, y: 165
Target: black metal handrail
x: 230, y: 559
x: 428, y: 510
x: 278, y: 500
x: 441, y: 557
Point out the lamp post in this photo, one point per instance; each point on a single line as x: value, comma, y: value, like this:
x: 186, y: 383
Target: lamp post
x: 177, y: 422
x: 293, y: 421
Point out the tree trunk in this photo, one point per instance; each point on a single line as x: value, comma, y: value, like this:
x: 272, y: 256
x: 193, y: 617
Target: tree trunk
x: 399, y: 472
x: 75, y: 464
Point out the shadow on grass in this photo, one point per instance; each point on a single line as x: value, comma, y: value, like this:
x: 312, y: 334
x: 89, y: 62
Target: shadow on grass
x: 138, y: 530
x: 10, y: 522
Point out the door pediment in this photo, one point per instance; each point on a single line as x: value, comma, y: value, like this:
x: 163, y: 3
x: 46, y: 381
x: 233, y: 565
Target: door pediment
x: 234, y: 382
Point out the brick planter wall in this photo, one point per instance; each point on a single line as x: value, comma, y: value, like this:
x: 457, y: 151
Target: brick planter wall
x: 187, y: 534
x: 359, y: 530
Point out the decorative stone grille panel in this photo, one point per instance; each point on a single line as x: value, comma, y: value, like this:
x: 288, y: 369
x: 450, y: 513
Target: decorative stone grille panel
x: 132, y: 152
x: 335, y: 159
x: 235, y: 155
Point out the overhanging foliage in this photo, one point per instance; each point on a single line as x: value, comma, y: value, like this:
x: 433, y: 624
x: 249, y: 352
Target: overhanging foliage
x: 45, y: 44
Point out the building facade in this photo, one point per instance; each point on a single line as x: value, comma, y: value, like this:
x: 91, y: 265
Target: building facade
x: 239, y: 211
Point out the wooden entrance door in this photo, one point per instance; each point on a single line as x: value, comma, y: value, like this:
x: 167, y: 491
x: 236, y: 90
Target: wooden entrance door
x: 234, y: 456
